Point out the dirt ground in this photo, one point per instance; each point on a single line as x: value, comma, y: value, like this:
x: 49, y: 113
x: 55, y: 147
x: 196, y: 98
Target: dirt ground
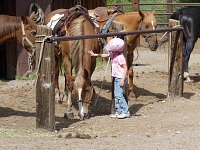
x: 156, y: 123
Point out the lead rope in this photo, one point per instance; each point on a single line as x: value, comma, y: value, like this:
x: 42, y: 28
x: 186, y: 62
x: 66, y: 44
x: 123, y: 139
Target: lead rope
x: 41, y: 53
x: 101, y: 85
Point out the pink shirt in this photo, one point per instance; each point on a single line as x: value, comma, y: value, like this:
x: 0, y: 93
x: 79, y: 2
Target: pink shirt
x: 117, y: 65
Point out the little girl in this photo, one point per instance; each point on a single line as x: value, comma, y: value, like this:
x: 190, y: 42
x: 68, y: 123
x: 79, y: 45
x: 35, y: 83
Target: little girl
x: 119, y: 71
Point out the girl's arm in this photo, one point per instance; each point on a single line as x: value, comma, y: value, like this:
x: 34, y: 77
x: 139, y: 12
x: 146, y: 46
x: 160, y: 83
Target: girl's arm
x: 97, y: 55
x: 124, y: 75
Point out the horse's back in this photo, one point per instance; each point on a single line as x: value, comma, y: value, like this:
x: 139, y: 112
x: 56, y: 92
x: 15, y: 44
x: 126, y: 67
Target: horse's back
x: 190, y: 21
x: 176, y: 14
x: 190, y: 18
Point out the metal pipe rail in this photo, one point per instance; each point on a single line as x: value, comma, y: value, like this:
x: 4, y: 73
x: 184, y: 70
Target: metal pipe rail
x: 90, y: 36
x: 172, y: 4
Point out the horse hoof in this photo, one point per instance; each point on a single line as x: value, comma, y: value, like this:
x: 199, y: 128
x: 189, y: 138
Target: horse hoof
x: 131, y: 95
x: 188, y: 80
x: 64, y: 98
x: 69, y: 115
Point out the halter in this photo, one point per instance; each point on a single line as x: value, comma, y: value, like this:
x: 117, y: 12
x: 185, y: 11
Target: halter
x: 145, y: 35
x: 80, y: 102
x: 24, y: 38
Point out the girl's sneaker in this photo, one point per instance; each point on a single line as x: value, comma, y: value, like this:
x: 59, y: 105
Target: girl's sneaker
x: 122, y: 116
x: 114, y: 115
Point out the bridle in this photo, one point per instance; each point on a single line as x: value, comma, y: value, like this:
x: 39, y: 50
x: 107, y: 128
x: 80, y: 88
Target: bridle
x: 80, y: 102
x: 145, y: 35
x: 24, y: 38
x: 31, y: 55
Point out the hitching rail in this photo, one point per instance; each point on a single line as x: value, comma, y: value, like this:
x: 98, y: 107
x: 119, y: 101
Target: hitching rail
x: 90, y: 36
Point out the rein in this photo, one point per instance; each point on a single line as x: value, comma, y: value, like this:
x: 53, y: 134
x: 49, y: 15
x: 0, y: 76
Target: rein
x: 92, y: 108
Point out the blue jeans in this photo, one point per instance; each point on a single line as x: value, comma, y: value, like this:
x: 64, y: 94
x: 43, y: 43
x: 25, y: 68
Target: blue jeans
x: 120, y: 102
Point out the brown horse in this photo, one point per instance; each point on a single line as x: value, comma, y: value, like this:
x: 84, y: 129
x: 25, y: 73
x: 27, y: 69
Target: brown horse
x: 22, y: 28
x: 132, y: 21
x: 75, y: 57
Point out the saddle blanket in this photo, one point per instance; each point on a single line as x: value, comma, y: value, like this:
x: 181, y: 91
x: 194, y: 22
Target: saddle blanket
x: 54, y: 20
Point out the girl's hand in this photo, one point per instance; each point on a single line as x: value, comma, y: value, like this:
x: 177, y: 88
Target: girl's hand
x: 122, y: 82
x: 91, y: 52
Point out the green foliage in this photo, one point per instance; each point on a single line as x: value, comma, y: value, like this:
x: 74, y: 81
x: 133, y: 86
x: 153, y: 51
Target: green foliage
x: 31, y: 76
x: 189, y: 1
x: 161, y: 8
x: 118, y: 1
x: 100, y: 65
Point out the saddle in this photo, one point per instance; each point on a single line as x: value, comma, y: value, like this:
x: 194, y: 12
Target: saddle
x: 103, y: 14
x: 69, y: 16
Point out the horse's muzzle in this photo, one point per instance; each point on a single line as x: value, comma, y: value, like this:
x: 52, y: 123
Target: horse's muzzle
x: 153, y: 45
x: 83, y: 114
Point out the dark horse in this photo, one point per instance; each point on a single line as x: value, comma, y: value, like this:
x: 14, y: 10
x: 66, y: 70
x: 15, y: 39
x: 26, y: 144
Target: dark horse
x: 78, y: 64
x: 190, y: 21
x: 22, y: 28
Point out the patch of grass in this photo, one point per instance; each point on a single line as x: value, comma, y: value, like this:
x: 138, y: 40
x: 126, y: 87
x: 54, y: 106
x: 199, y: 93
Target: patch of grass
x: 101, y: 65
x: 31, y: 76
x: 2, y: 83
x: 23, y: 133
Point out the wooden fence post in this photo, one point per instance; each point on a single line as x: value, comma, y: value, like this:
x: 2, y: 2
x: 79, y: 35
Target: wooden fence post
x: 175, y: 85
x: 45, y: 88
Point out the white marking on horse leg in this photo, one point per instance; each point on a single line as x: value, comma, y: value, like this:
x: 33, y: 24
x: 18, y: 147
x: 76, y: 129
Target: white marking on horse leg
x: 57, y: 95
x: 186, y: 77
x: 69, y: 100
x: 186, y: 74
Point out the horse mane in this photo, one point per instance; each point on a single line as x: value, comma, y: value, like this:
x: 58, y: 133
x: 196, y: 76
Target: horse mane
x: 76, y: 46
x: 9, y: 24
x: 176, y: 14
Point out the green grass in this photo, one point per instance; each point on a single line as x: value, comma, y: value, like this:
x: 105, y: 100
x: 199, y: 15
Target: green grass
x: 31, y: 76
x: 23, y: 133
x: 2, y: 83
x: 100, y: 65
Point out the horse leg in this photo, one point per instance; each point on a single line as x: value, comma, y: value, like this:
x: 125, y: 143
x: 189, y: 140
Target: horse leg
x: 68, y: 89
x: 130, y: 69
x: 57, y: 91
x: 187, y: 49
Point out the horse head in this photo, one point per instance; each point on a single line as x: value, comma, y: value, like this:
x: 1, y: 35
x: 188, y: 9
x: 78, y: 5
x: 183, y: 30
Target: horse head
x: 27, y: 33
x: 148, y: 22
x: 84, y: 92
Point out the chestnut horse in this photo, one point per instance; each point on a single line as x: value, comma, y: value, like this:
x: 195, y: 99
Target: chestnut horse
x: 22, y: 28
x: 77, y: 60
x: 75, y: 55
x: 132, y: 21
